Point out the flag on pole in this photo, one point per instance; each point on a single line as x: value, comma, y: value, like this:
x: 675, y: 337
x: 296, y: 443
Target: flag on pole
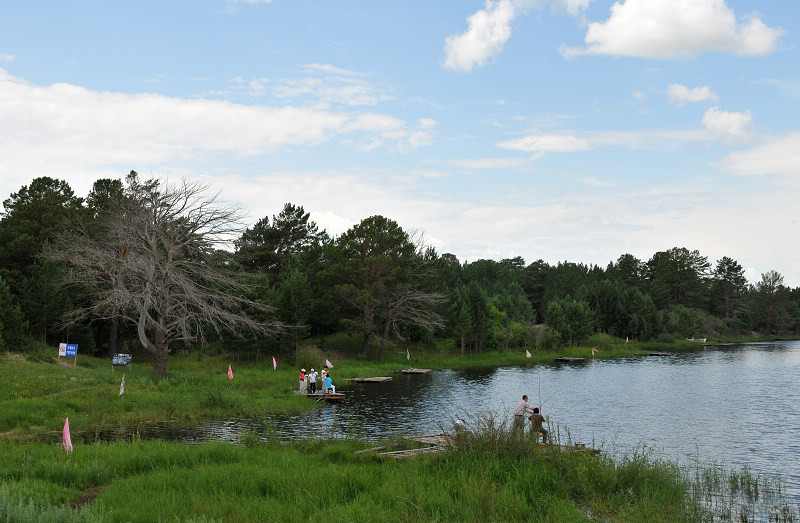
x: 274, y: 364
x: 230, y: 372
x: 329, y: 364
x: 122, y: 386
x: 66, y: 440
x: 626, y: 339
x: 593, y: 351
x: 408, y: 354
x: 527, y: 353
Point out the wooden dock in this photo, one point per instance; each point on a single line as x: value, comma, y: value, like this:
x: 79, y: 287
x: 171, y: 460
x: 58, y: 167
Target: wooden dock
x: 326, y: 396
x: 373, y: 379
x: 433, y: 444
x: 415, y: 371
x: 567, y: 359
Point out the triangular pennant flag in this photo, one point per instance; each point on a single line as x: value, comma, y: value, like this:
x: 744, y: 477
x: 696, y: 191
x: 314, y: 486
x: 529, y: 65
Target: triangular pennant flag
x: 408, y: 355
x: 230, y: 372
x: 66, y: 440
x: 528, y: 353
x: 122, y: 386
x: 626, y: 339
x: 593, y: 351
x: 274, y: 364
x: 329, y: 364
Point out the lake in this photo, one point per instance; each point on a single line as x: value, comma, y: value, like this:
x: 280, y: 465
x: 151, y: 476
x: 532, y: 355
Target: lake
x: 736, y: 405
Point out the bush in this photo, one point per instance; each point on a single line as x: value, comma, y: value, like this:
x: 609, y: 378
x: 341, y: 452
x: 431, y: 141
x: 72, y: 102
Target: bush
x: 600, y: 341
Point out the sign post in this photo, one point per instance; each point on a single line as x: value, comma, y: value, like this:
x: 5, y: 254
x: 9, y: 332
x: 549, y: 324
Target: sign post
x: 69, y: 350
x: 120, y: 360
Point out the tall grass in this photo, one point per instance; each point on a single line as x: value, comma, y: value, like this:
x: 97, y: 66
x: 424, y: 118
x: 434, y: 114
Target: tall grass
x: 489, y: 473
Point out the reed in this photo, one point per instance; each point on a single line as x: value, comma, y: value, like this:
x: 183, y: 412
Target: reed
x: 489, y: 474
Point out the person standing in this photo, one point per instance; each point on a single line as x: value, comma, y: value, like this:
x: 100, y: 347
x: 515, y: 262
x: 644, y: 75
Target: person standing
x: 302, y: 381
x: 312, y: 379
x: 538, y: 425
x: 519, y: 414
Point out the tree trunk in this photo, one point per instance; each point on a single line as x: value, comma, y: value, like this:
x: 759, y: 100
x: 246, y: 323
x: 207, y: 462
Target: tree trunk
x: 463, y: 342
x: 113, y: 335
x: 158, y: 348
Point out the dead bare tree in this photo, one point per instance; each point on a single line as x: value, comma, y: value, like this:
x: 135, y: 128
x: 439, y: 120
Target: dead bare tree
x: 158, y: 266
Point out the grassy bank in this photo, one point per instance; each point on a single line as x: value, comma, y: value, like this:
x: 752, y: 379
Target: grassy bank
x: 488, y: 474
x: 482, y: 480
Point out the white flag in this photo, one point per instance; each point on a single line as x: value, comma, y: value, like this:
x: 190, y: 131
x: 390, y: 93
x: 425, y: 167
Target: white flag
x: 408, y: 355
x: 122, y: 386
x: 329, y: 364
x: 527, y: 353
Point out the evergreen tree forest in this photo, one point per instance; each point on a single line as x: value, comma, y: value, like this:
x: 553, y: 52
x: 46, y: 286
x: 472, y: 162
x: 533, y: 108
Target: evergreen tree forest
x: 142, y: 264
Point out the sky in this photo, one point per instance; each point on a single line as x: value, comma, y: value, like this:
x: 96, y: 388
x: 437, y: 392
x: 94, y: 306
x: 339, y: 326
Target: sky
x: 560, y: 130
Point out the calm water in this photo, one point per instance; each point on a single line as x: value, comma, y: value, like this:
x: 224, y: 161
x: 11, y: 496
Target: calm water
x: 735, y: 405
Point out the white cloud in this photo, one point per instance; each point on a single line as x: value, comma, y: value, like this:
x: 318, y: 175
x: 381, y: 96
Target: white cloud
x: 681, y: 95
x: 781, y: 156
x: 676, y: 28
x: 730, y: 127
x: 488, y: 31
x: 490, y: 163
x: 80, y: 129
x: 541, y: 143
x: 325, y: 85
x: 574, y: 7
x: 5, y: 57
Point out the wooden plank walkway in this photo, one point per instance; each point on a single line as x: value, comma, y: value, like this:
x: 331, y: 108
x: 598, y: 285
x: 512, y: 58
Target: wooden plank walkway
x: 567, y: 359
x: 415, y: 371
x: 373, y: 379
x: 327, y: 396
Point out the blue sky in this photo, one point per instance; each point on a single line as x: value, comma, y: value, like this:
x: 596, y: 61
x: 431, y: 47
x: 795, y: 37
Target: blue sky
x: 574, y: 130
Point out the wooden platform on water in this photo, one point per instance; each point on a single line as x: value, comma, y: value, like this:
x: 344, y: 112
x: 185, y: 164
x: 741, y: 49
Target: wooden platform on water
x: 326, y: 396
x: 373, y: 379
x: 567, y: 359
x: 415, y: 371
x: 441, y: 442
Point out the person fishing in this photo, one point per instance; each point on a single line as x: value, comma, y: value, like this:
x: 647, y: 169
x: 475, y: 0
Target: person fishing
x: 538, y: 424
x: 521, y: 409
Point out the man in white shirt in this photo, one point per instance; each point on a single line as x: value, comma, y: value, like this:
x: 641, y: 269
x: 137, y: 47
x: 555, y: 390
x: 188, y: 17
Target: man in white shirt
x: 520, y: 412
x: 312, y: 379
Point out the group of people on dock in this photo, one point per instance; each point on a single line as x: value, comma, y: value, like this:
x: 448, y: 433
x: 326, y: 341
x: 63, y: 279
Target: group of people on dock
x: 308, y: 381
x: 536, y: 418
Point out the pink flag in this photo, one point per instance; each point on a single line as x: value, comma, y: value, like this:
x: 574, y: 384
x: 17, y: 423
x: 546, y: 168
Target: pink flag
x: 527, y: 353
x: 626, y: 339
x: 230, y: 372
x: 274, y: 364
x: 593, y: 351
x: 66, y: 440
x: 329, y: 364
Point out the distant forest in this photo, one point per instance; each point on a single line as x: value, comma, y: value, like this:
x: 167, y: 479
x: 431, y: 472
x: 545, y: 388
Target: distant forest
x: 169, y: 267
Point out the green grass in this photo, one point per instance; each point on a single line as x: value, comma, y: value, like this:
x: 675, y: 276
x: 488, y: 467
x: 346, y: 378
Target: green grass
x: 159, y: 481
x: 489, y: 474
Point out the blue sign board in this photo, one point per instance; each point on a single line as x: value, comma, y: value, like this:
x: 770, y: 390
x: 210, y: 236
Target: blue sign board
x: 68, y: 349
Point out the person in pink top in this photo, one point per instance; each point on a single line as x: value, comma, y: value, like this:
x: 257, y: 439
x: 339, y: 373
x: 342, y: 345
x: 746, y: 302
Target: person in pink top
x: 302, y: 381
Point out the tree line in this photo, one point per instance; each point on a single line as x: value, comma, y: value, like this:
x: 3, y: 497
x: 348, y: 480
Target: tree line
x: 171, y: 266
